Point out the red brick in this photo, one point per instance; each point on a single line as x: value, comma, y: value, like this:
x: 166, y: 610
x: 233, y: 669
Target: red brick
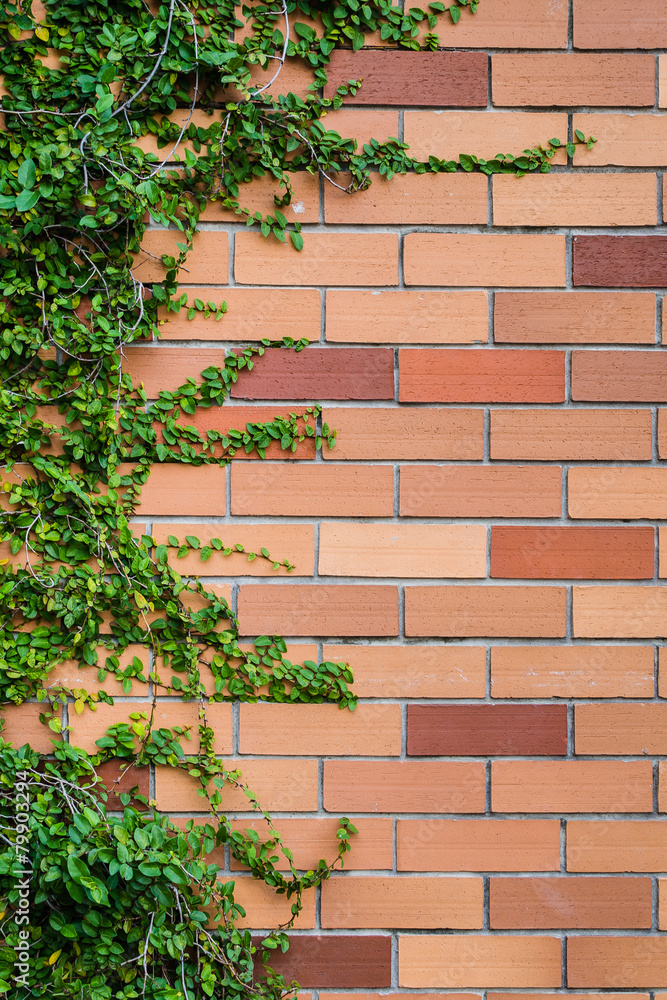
x: 485, y: 611
x: 406, y: 432
x: 571, y: 786
x: 452, y: 845
x: 547, y: 903
x: 480, y: 491
x: 372, y: 902
x: 478, y: 960
x: 505, y: 260
x: 572, y: 553
x: 319, y: 373
x: 339, y: 610
x: 620, y: 24
x: 487, y: 730
x: 603, y: 962
x: 574, y: 317
x: 572, y: 672
x: 430, y: 79
x: 481, y: 376
x: 317, y: 961
x: 620, y: 261
x: 326, y: 259
x: 404, y: 786
x: 407, y: 316
x: 312, y: 490
x: 619, y: 376
x: 573, y: 79
x: 576, y: 435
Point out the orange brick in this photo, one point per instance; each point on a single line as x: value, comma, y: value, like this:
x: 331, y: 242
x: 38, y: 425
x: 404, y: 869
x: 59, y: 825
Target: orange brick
x: 403, y: 786
x: 408, y: 550
x: 574, y: 435
x: 618, y: 24
x: 413, y: 671
x: 313, y: 839
x: 184, y: 489
x: 620, y: 729
x: 662, y: 672
x: 406, y: 432
x: 554, y: 786
x: 461, y: 845
x: 634, y: 140
x: 485, y: 611
x: 575, y: 200
x: 295, y: 542
x: 623, y: 494
x: 369, y: 731
x: 508, y: 260
x: 326, y: 259
x: 619, y: 612
x: 338, y: 610
x: 518, y: 24
x: 407, y: 316
x: 616, y: 961
x: 616, y: 845
x: 295, y: 77
x: 265, y: 909
x: 446, y: 134
x: 313, y: 490
x: 21, y: 725
x: 360, y: 902
x: 662, y: 787
x: 158, y: 367
x: 478, y: 960
x: 662, y: 904
x: 662, y: 433
x: 85, y: 729
x: 662, y: 536
x: 581, y: 553
x: 482, y: 375
x: 289, y: 785
x: 207, y: 263
x: 575, y: 78
x: 572, y: 672
x: 480, y: 491
x: 574, y: 317
x: 540, y: 903
x: 363, y: 124
x: 252, y: 313
x: 421, y: 199
x: 258, y: 196
x: 662, y: 81
x: 70, y: 674
x: 183, y: 118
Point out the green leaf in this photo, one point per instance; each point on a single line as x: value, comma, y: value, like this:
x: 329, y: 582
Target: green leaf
x: 26, y: 200
x: 27, y: 174
x: 297, y: 240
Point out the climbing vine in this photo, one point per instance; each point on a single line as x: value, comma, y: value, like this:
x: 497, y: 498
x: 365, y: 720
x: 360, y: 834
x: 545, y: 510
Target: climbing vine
x: 123, y: 903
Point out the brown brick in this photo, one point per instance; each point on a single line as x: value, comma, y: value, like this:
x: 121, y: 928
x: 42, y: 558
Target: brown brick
x: 481, y: 376
x: 480, y: 491
x: 487, y: 730
x: 574, y: 317
x: 408, y: 550
x: 546, y: 903
x: 554, y: 786
x: 341, y: 610
x: 431, y: 79
x: 624, y: 140
x: 21, y: 725
x: 515, y: 260
x: 446, y: 134
x: 312, y: 839
x: 406, y: 432
x: 403, y: 786
x: 369, y: 731
x: 481, y: 960
x: 295, y: 542
x: 485, y: 611
x: 621, y: 729
x: 620, y: 261
x: 323, y: 373
x: 417, y: 199
x: 252, y: 313
x: 207, y: 263
x: 619, y: 376
x: 572, y: 672
x: 407, y: 316
x: 326, y: 259
x: 575, y: 435
x: 362, y: 902
x: 619, y: 612
x: 575, y: 200
x: 616, y: 845
x: 313, y: 490
x: 315, y: 961
x: 453, y: 845
x: 572, y: 553
x: 414, y: 671
x: 616, y: 961
x: 573, y: 79
x: 289, y: 785
x: 618, y: 24
x: 618, y: 493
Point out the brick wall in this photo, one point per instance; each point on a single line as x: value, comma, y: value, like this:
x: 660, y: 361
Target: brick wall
x: 483, y: 545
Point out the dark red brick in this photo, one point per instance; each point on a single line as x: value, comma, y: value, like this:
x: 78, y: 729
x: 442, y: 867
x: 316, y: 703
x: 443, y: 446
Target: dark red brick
x: 486, y: 730
x: 426, y: 79
x: 109, y: 772
x: 481, y: 376
x: 339, y: 962
x: 552, y: 553
x: 318, y: 373
x: 619, y: 376
x: 620, y: 261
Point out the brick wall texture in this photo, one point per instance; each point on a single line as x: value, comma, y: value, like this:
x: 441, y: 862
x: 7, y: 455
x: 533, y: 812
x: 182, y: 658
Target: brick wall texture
x: 484, y: 544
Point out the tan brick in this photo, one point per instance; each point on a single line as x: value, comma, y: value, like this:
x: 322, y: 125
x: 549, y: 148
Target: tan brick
x: 421, y: 902
x: 516, y: 260
x: 413, y: 671
x: 616, y: 845
x: 207, y: 262
x: 572, y: 672
x: 485, y: 611
x: 369, y: 731
x: 617, y: 493
x: 554, y: 786
x: 294, y: 542
x: 480, y: 491
x: 575, y: 78
x: 571, y: 435
x: 179, y: 489
x: 407, y: 316
x: 337, y: 610
x: 421, y: 199
x: 313, y: 839
x: 406, y: 550
x: 289, y: 785
x: 326, y: 259
x: 453, y: 845
x: 619, y: 612
x: 618, y: 24
x: 446, y: 134
x: 575, y: 200
x: 85, y: 729
x: 252, y: 313
x: 478, y: 960
x: 403, y: 786
x: 21, y: 725
x: 313, y: 490
x: 574, y: 317
x: 620, y: 729
x: 624, y: 140
x: 407, y: 432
